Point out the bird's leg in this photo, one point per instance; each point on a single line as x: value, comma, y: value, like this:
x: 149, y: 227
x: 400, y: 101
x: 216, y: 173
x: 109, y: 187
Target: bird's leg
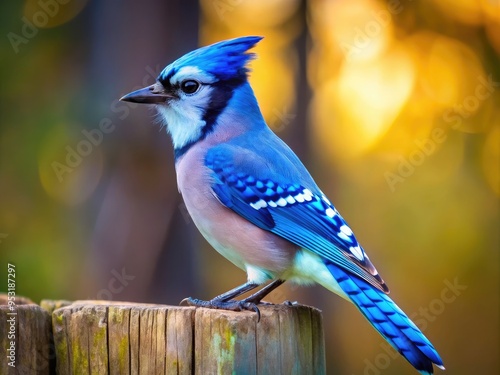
x: 256, y: 298
x: 225, y: 300
x: 235, y: 292
x: 251, y: 302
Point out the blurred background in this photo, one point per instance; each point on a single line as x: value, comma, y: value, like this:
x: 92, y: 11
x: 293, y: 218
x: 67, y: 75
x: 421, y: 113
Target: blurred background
x: 394, y: 106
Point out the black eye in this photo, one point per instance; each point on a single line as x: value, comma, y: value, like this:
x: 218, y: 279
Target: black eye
x: 190, y: 86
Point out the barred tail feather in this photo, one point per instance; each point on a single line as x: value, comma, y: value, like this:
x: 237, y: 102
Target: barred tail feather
x: 389, y: 320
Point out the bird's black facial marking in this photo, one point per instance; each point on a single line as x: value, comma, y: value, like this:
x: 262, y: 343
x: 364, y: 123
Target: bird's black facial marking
x: 165, y: 80
x: 222, y: 92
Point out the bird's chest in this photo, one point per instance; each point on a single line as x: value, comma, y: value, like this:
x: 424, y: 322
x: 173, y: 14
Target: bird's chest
x: 194, y: 181
x: 216, y: 222
x: 231, y: 235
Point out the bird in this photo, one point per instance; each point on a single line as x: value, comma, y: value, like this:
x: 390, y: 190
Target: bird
x: 255, y: 202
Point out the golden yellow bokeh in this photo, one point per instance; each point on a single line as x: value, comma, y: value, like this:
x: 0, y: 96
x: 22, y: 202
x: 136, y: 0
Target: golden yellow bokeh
x: 466, y: 11
x: 47, y: 14
x: 355, y: 111
x: 253, y: 13
x: 491, y: 157
x: 272, y: 79
x: 442, y: 60
x: 356, y: 31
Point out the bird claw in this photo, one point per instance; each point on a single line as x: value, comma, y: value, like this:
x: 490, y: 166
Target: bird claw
x: 250, y: 306
x: 257, y: 302
x: 232, y: 305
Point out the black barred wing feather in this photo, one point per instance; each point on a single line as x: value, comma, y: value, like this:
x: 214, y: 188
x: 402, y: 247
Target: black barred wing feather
x: 299, y: 214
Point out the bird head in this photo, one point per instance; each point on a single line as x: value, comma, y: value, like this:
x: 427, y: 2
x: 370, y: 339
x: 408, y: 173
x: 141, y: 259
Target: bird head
x: 191, y: 92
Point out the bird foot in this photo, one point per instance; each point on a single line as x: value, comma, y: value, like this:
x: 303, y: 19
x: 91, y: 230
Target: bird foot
x: 232, y: 305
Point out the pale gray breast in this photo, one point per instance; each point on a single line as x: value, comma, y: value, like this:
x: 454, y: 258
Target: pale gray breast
x: 231, y: 235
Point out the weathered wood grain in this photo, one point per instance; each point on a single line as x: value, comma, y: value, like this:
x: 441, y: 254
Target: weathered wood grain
x: 285, y: 341
x: 101, y: 337
x: 31, y: 337
x: 123, y: 338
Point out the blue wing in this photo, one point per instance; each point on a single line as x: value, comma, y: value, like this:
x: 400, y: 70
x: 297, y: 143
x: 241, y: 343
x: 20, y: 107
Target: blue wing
x: 295, y: 210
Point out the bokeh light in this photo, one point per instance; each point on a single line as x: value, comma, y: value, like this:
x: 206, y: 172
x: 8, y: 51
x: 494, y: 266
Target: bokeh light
x: 48, y: 14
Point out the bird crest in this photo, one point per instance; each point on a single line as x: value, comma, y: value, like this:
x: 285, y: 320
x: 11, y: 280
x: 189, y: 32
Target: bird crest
x: 224, y: 60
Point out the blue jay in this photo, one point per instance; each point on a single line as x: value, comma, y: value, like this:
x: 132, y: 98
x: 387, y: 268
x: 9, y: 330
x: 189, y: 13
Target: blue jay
x: 255, y: 202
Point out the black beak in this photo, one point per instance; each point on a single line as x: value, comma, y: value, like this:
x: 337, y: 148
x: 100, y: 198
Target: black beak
x: 154, y: 94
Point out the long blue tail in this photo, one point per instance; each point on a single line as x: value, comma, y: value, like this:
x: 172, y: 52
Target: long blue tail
x: 389, y: 320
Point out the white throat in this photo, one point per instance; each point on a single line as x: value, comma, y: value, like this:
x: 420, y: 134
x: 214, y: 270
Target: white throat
x: 184, y: 125
x: 184, y: 114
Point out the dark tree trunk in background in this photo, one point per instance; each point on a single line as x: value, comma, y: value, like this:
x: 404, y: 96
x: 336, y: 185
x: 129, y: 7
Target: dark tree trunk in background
x: 298, y: 135
x: 135, y: 215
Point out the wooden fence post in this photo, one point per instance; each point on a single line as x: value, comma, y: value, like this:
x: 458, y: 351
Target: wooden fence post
x: 102, y: 337
x: 25, y: 338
